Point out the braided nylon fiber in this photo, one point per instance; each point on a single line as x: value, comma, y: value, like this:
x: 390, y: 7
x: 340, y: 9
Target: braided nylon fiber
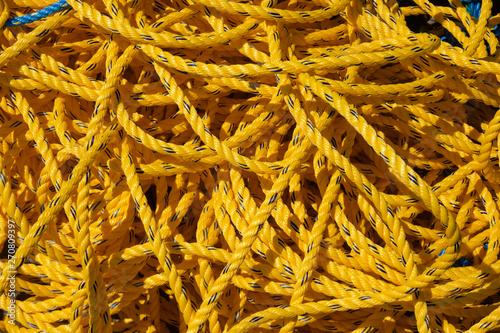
x: 250, y: 166
x: 37, y: 15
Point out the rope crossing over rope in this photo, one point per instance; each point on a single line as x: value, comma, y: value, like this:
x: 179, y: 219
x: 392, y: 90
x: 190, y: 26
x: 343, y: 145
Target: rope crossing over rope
x: 223, y: 166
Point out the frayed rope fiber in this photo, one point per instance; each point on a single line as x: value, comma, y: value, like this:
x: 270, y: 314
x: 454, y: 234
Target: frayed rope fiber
x: 249, y: 166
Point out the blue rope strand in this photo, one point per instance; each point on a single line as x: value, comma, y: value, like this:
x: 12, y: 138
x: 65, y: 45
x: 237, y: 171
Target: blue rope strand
x: 36, y: 16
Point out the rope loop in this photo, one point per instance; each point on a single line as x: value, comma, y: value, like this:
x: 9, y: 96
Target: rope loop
x: 246, y: 166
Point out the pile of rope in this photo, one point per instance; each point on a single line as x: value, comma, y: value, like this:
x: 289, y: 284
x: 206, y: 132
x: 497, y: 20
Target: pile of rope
x: 236, y: 166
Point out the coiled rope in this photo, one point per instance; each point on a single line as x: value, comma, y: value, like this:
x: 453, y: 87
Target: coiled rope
x: 223, y: 166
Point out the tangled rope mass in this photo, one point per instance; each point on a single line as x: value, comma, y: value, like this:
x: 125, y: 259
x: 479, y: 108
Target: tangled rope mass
x: 267, y: 165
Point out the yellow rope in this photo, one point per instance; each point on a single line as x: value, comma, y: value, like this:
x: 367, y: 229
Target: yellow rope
x: 245, y: 166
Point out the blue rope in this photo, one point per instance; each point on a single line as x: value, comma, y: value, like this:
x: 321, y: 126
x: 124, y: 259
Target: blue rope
x: 36, y: 16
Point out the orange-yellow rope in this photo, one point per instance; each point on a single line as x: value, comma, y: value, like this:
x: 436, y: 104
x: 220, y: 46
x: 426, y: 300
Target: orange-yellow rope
x: 237, y: 166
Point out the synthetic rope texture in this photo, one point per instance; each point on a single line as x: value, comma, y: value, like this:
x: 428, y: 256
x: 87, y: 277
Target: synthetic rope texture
x: 247, y: 166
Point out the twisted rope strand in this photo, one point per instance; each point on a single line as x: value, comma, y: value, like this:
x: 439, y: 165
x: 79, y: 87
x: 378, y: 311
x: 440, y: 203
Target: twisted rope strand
x: 249, y: 166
